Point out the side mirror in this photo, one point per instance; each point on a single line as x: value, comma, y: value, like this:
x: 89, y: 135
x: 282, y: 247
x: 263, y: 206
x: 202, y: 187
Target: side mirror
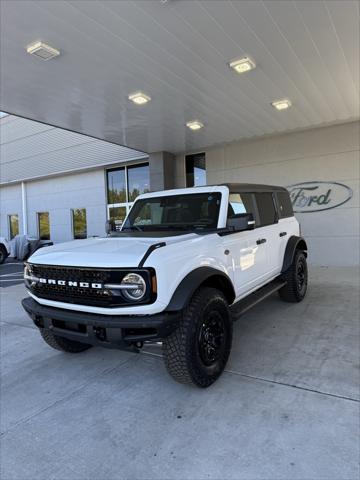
x: 109, y: 226
x: 241, y: 222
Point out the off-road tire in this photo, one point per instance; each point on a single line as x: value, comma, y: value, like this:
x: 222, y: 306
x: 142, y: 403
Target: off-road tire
x: 293, y: 291
x: 183, y: 350
x: 3, y: 254
x: 63, y: 344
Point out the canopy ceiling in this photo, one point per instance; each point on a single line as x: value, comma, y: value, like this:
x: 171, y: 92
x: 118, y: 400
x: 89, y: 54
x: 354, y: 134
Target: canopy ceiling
x: 177, y: 52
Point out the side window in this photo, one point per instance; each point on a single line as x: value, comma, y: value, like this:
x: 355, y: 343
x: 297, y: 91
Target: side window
x: 13, y: 221
x: 241, y: 203
x: 43, y: 225
x: 284, y: 205
x: 79, y: 223
x: 266, y: 209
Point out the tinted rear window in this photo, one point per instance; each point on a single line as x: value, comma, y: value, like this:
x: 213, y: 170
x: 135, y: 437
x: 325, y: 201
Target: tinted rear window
x: 266, y: 209
x: 284, y: 205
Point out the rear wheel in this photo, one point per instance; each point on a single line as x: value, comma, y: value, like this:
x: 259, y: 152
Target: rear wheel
x: 296, y: 279
x: 63, y: 344
x: 197, y: 351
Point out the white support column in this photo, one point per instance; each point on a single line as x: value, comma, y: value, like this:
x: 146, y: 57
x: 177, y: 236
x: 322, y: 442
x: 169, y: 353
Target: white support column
x: 24, y: 208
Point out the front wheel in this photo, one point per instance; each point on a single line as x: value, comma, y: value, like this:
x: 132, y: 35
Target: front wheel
x: 296, y: 279
x: 198, y: 350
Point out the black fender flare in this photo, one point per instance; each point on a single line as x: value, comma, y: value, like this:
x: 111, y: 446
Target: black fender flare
x: 200, y: 276
x: 294, y: 243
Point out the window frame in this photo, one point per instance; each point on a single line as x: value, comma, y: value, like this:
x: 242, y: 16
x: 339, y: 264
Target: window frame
x: 9, y: 224
x: 73, y: 224
x: 38, y: 225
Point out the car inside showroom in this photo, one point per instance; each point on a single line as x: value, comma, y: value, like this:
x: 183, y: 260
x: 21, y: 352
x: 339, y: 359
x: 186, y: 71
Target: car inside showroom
x: 179, y: 186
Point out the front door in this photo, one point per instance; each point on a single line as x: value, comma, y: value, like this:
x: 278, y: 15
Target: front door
x: 247, y: 259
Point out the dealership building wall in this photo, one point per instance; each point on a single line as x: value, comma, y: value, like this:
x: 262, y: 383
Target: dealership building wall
x: 328, y: 154
x: 74, y: 176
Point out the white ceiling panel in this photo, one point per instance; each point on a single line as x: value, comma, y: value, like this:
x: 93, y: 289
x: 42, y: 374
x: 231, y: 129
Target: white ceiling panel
x: 177, y: 52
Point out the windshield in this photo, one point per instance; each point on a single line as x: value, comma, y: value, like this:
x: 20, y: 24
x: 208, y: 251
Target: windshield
x: 199, y: 211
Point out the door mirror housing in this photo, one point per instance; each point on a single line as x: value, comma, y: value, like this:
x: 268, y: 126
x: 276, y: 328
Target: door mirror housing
x: 241, y: 222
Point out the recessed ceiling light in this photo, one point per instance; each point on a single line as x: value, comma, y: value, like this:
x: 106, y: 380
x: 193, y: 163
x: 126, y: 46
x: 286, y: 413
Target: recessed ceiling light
x: 195, y: 125
x: 43, y: 51
x: 139, y: 98
x: 242, y: 65
x: 281, y: 104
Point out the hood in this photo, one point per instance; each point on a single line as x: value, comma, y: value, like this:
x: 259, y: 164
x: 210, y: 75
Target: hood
x: 101, y: 252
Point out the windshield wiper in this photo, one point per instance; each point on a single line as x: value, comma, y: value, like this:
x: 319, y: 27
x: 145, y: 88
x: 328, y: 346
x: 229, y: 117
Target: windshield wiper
x: 168, y: 227
x: 132, y: 227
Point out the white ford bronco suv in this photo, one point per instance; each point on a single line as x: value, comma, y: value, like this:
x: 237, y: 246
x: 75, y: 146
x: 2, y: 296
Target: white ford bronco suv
x: 184, y: 265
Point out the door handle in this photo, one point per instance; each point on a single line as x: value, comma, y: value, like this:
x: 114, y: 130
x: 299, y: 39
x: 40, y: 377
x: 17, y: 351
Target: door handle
x: 282, y: 234
x: 260, y: 241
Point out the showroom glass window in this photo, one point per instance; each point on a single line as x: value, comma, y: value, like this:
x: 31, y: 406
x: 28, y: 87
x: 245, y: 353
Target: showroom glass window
x: 124, y: 184
x: 79, y: 223
x: 195, y: 168
x: 138, y: 181
x: 13, y: 225
x: 43, y: 225
x: 116, y: 185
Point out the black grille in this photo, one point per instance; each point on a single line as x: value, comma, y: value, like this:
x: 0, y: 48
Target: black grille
x: 99, y: 297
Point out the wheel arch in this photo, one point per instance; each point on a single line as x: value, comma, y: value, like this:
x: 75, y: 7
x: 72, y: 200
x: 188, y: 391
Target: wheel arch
x: 294, y: 243
x: 202, y: 276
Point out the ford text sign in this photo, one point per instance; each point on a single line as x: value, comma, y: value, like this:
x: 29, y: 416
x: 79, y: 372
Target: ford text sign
x: 317, y: 196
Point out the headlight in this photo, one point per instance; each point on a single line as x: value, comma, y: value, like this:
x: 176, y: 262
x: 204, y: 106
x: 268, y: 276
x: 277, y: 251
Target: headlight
x: 133, y: 286
x: 28, y: 277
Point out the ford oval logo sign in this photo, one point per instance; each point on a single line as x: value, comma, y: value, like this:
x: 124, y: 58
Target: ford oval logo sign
x: 318, y: 196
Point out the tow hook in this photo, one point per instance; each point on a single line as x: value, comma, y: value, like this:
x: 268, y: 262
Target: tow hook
x: 100, y: 333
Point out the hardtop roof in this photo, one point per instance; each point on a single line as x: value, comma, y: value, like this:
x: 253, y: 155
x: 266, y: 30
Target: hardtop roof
x: 253, y: 187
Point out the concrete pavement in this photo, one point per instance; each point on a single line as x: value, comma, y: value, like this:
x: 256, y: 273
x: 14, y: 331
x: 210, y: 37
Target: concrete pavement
x: 287, y: 407
x: 11, y: 273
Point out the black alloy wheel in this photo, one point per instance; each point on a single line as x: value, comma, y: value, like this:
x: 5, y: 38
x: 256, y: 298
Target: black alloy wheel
x: 212, y: 338
x: 296, y: 278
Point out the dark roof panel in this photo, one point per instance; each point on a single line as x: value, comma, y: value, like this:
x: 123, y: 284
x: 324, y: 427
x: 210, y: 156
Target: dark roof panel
x: 253, y: 187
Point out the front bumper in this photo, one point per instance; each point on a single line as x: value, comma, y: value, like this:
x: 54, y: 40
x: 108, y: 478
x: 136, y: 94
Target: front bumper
x: 111, y: 331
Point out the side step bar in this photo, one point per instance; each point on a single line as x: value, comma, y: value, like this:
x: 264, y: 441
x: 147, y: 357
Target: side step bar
x: 242, y: 306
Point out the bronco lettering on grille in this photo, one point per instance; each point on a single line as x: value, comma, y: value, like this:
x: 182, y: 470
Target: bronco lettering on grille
x: 70, y: 283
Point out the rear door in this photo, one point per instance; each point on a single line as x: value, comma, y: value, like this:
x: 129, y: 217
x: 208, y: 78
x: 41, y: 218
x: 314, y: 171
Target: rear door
x: 267, y: 229
x: 288, y: 224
